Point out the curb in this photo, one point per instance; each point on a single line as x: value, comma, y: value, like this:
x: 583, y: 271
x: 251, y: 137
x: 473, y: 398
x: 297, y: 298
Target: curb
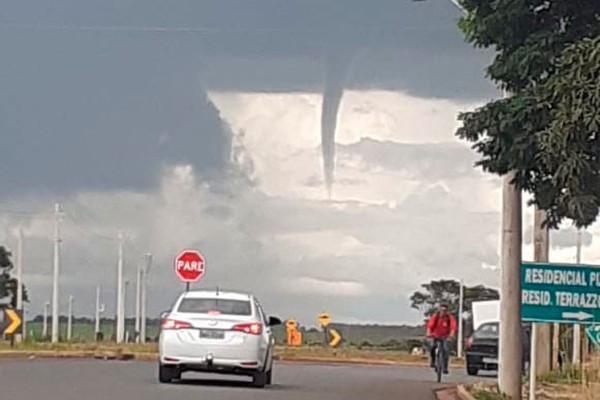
x: 463, y: 393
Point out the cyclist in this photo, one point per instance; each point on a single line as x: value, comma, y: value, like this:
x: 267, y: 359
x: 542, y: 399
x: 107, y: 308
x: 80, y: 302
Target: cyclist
x: 441, y: 327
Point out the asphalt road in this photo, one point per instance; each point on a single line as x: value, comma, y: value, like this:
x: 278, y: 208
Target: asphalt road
x: 116, y: 380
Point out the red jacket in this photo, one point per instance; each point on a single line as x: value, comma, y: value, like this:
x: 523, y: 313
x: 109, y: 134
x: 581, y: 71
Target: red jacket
x: 441, y: 327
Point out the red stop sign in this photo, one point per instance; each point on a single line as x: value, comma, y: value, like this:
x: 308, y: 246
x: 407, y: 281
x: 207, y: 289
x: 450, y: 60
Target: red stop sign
x: 189, y: 266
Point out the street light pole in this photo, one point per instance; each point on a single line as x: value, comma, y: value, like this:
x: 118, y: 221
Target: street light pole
x: 120, y: 331
x: 138, y: 300
x: 55, y: 296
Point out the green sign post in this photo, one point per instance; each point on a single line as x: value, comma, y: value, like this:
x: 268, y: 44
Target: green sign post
x: 593, y: 332
x: 560, y: 293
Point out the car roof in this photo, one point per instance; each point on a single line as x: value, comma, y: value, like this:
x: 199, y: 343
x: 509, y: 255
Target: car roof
x: 211, y: 294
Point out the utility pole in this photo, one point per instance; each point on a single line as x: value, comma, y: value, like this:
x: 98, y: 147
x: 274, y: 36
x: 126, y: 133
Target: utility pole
x: 70, y: 320
x: 55, y: 312
x: 541, y: 243
x: 125, y: 289
x: 45, y: 324
x: 120, y: 331
x: 98, y: 311
x: 138, y: 300
x: 510, y: 346
x: 460, y: 318
x: 540, y: 333
x: 19, y: 338
x: 576, y: 327
x: 144, y: 280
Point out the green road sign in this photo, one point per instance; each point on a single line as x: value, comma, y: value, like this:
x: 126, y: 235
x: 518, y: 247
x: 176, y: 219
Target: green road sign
x: 560, y: 293
x: 593, y: 332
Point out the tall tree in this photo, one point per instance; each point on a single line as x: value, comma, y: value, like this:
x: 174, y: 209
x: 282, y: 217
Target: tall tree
x: 435, y: 293
x: 547, y: 131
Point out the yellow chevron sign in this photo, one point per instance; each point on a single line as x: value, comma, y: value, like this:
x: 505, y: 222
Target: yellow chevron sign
x: 14, y: 322
x: 336, y: 338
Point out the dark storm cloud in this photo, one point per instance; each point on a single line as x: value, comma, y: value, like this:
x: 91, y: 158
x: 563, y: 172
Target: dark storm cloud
x: 94, y: 96
x: 413, y: 46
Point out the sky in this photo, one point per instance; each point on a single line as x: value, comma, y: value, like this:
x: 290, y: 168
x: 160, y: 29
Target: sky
x: 197, y: 124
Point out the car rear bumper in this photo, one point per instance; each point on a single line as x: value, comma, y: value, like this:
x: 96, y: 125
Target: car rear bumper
x: 227, y: 367
x: 226, y: 358
x: 481, y: 361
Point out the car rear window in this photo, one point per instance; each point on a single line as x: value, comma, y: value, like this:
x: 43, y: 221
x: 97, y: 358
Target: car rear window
x: 488, y: 331
x: 215, y: 306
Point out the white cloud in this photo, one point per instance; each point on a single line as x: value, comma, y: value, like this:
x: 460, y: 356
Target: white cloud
x: 390, y: 227
x: 310, y: 286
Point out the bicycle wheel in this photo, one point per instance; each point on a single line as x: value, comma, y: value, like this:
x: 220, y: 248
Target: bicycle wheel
x: 439, y: 363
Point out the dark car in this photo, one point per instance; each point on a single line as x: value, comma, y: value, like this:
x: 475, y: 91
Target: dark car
x: 482, y: 348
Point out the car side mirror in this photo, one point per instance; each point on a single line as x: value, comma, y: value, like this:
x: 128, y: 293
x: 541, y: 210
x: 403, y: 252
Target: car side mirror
x: 164, y: 314
x: 273, y: 321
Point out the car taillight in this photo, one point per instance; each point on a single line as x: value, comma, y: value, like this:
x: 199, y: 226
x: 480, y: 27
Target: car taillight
x: 172, y: 324
x: 253, y: 328
x: 469, y: 342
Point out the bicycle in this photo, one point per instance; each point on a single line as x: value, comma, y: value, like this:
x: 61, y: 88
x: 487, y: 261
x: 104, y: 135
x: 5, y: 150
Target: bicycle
x: 439, y: 360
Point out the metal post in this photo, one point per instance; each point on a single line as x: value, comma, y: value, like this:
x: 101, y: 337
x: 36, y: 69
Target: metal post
x: 120, y: 331
x: 460, y: 318
x: 70, y: 320
x: 577, y: 327
x: 55, y: 312
x: 532, y: 362
x: 138, y: 294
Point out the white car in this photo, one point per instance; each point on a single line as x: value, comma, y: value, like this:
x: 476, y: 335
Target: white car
x: 219, y: 332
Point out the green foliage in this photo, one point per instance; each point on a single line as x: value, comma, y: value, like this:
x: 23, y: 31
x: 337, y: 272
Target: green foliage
x: 547, y: 131
x: 8, y: 284
x: 448, y: 292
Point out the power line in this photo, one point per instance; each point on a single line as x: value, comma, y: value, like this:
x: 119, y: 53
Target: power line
x: 205, y: 30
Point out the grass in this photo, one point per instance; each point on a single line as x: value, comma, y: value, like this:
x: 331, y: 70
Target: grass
x: 570, y: 384
x: 81, y: 347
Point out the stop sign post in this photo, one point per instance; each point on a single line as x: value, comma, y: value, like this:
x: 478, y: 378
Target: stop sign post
x: 189, y: 267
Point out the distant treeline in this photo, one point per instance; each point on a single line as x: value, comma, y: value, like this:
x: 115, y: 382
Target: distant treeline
x: 103, y: 321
